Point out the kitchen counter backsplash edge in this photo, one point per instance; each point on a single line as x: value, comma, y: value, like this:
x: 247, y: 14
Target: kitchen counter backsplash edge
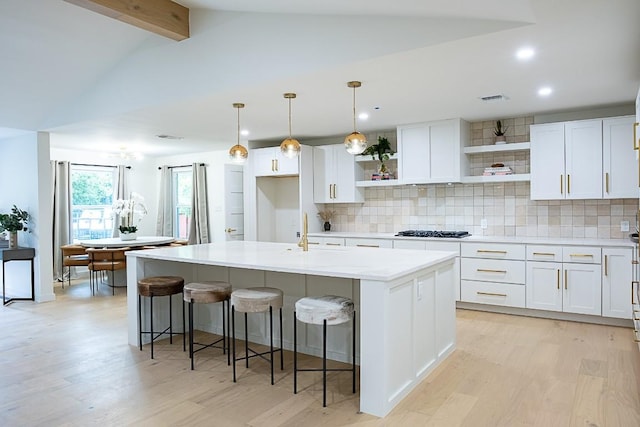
x: 487, y: 239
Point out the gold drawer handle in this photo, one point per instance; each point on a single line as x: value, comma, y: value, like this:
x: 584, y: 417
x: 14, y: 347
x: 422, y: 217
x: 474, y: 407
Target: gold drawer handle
x: 368, y: 246
x: 581, y: 255
x: 489, y: 251
x: 314, y: 243
x: 483, y: 270
x: 544, y: 253
x: 636, y: 142
x: 606, y: 182
x: 333, y: 244
x: 491, y: 294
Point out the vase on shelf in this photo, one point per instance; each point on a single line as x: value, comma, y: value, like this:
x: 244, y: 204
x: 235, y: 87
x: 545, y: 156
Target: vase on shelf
x: 128, y: 235
x: 327, y: 226
x: 13, y: 240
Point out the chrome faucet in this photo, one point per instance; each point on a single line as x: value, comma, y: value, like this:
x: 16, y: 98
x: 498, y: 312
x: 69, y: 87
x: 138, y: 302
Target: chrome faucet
x: 304, y: 241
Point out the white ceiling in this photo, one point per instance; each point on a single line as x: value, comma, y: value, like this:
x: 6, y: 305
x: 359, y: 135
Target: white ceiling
x: 97, y: 84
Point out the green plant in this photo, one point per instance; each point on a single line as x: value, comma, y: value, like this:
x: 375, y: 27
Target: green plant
x: 382, y: 149
x: 498, y: 131
x: 15, y: 221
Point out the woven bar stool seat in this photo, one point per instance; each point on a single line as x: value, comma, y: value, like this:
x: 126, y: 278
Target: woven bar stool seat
x: 208, y: 292
x: 325, y: 310
x: 160, y: 286
x: 256, y: 300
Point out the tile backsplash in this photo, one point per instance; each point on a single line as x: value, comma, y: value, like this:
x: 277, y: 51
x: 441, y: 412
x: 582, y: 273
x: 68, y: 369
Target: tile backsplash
x: 506, y: 206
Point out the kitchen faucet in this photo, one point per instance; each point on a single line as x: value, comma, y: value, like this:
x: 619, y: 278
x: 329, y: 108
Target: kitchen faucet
x: 304, y: 241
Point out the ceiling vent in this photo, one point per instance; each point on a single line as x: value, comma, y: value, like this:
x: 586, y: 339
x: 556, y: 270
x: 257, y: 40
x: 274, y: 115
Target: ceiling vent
x: 492, y: 98
x: 163, y: 136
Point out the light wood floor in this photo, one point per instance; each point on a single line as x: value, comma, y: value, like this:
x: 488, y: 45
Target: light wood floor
x: 68, y: 363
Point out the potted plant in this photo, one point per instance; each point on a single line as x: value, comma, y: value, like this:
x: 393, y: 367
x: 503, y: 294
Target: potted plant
x: 14, y: 222
x: 326, y: 216
x: 383, y: 152
x: 126, y: 211
x: 499, y: 133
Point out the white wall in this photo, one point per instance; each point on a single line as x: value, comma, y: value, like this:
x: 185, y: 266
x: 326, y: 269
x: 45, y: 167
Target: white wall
x: 26, y: 175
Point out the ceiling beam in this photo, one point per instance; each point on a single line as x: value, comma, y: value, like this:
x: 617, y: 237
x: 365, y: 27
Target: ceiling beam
x: 164, y: 17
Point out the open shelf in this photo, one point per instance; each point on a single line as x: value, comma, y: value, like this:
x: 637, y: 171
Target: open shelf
x: 381, y: 183
x: 367, y: 158
x: 500, y: 148
x: 519, y: 177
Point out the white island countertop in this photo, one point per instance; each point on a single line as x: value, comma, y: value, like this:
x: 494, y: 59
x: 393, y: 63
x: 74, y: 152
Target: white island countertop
x: 346, y: 262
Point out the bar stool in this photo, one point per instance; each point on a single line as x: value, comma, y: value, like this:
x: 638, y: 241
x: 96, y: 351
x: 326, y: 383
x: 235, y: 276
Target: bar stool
x: 324, y: 310
x: 160, y: 286
x: 207, y: 293
x: 256, y: 300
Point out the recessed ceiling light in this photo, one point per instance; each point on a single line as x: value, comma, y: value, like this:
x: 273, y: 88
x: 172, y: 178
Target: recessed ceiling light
x: 525, y: 53
x: 244, y: 132
x: 545, y: 91
x: 363, y: 116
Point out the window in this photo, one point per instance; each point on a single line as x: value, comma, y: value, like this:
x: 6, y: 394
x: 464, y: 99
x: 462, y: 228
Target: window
x: 181, y: 187
x: 91, y: 201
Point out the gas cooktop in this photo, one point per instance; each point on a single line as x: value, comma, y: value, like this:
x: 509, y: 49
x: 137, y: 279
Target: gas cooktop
x: 434, y: 233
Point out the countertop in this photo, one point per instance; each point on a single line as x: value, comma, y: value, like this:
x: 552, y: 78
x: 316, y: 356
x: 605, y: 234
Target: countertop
x: 566, y: 241
x: 345, y: 262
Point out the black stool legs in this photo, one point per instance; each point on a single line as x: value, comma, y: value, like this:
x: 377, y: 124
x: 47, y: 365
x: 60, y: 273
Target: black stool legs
x: 157, y: 334
x: 224, y: 339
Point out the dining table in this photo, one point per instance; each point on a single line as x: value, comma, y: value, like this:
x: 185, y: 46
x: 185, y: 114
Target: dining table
x: 116, y: 242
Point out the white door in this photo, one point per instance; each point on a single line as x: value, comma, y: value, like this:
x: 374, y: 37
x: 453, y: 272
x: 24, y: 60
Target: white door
x: 233, y: 202
x: 544, y: 285
x: 413, y: 147
x: 444, y: 153
x: 582, y: 289
x: 620, y: 166
x: 616, y: 282
x: 547, y: 162
x: 583, y: 159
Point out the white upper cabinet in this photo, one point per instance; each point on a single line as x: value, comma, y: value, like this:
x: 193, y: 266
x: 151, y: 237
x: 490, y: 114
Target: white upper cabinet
x: 431, y: 152
x: 271, y: 162
x: 566, y: 160
x: 620, y: 166
x: 335, y: 174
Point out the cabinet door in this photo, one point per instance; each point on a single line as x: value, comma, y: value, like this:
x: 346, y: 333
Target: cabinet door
x: 547, y: 161
x: 583, y: 159
x: 263, y: 161
x: 444, y: 156
x: 414, y: 151
x: 322, y: 185
x: 544, y: 285
x: 616, y: 281
x: 582, y: 289
x: 620, y: 167
x: 285, y: 165
x: 345, y: 177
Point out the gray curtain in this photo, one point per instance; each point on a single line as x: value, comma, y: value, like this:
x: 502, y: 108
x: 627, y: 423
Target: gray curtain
x: 121, y: 192
x: 61, y: 213
x: 199, y: 226
x: 164, y: 224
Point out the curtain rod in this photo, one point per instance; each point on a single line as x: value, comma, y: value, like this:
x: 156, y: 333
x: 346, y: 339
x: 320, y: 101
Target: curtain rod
x: 181, y: 166
x: 99, y: 166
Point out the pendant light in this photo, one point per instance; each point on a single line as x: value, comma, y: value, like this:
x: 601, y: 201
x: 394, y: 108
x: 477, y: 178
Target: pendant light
x: 238, y: 153
x: 290, y: 147
x: 355, y: 142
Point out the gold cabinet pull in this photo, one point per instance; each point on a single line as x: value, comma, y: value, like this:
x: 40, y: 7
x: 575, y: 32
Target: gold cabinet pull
x: 313, y: 243
x: 581, y: 255
x: 368, y: 246
x: 333, y: 244
x: 273, y: 165
x: 490, y: 251
x: 606, y: 182
x: 566, y: 280
x: 606, y: 269
x: 558, y: 278
x: 333, y: 191
x: 561, y: 180
x: 276, y: 165
x: 636, y: 142
x: 484, y: 270
x: 568, y: 183
x: 491, y: 294
x: 544, y: 253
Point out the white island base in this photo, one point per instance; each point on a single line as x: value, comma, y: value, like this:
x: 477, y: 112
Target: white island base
x: 404, y: 300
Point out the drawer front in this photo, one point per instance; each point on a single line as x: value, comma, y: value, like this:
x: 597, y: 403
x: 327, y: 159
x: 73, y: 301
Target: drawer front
x: 443, y: 246
x: 493, y: 250
x: 369, y: 243
x: 492, y: 293
x: 544, y: 253
x: 582, y: 254
x: 409, y: 244
x: 492, y: 270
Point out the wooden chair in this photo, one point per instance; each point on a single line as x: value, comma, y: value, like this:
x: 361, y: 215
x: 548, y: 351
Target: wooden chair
x: 73, y: 256
x: 105, y: 260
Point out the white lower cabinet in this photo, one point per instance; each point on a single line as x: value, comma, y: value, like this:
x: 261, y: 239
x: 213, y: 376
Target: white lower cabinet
x: 570, y: 287
x: 326, y: 241
x: 617, y: 275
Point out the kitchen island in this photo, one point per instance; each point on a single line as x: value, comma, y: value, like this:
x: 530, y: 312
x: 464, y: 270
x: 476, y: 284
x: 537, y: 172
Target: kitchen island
x: 405, y: 300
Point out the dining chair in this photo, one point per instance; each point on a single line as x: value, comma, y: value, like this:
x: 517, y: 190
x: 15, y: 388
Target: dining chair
x: 73, y: 256
x: 105, y: 260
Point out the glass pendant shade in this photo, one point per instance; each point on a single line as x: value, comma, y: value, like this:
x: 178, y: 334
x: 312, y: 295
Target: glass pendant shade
x: 238, y: 153
x: 290, y: 147
x: 355, y: 142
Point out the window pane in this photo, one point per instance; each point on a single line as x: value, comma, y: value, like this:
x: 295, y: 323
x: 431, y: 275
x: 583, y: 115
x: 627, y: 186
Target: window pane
x: 91, y: 200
